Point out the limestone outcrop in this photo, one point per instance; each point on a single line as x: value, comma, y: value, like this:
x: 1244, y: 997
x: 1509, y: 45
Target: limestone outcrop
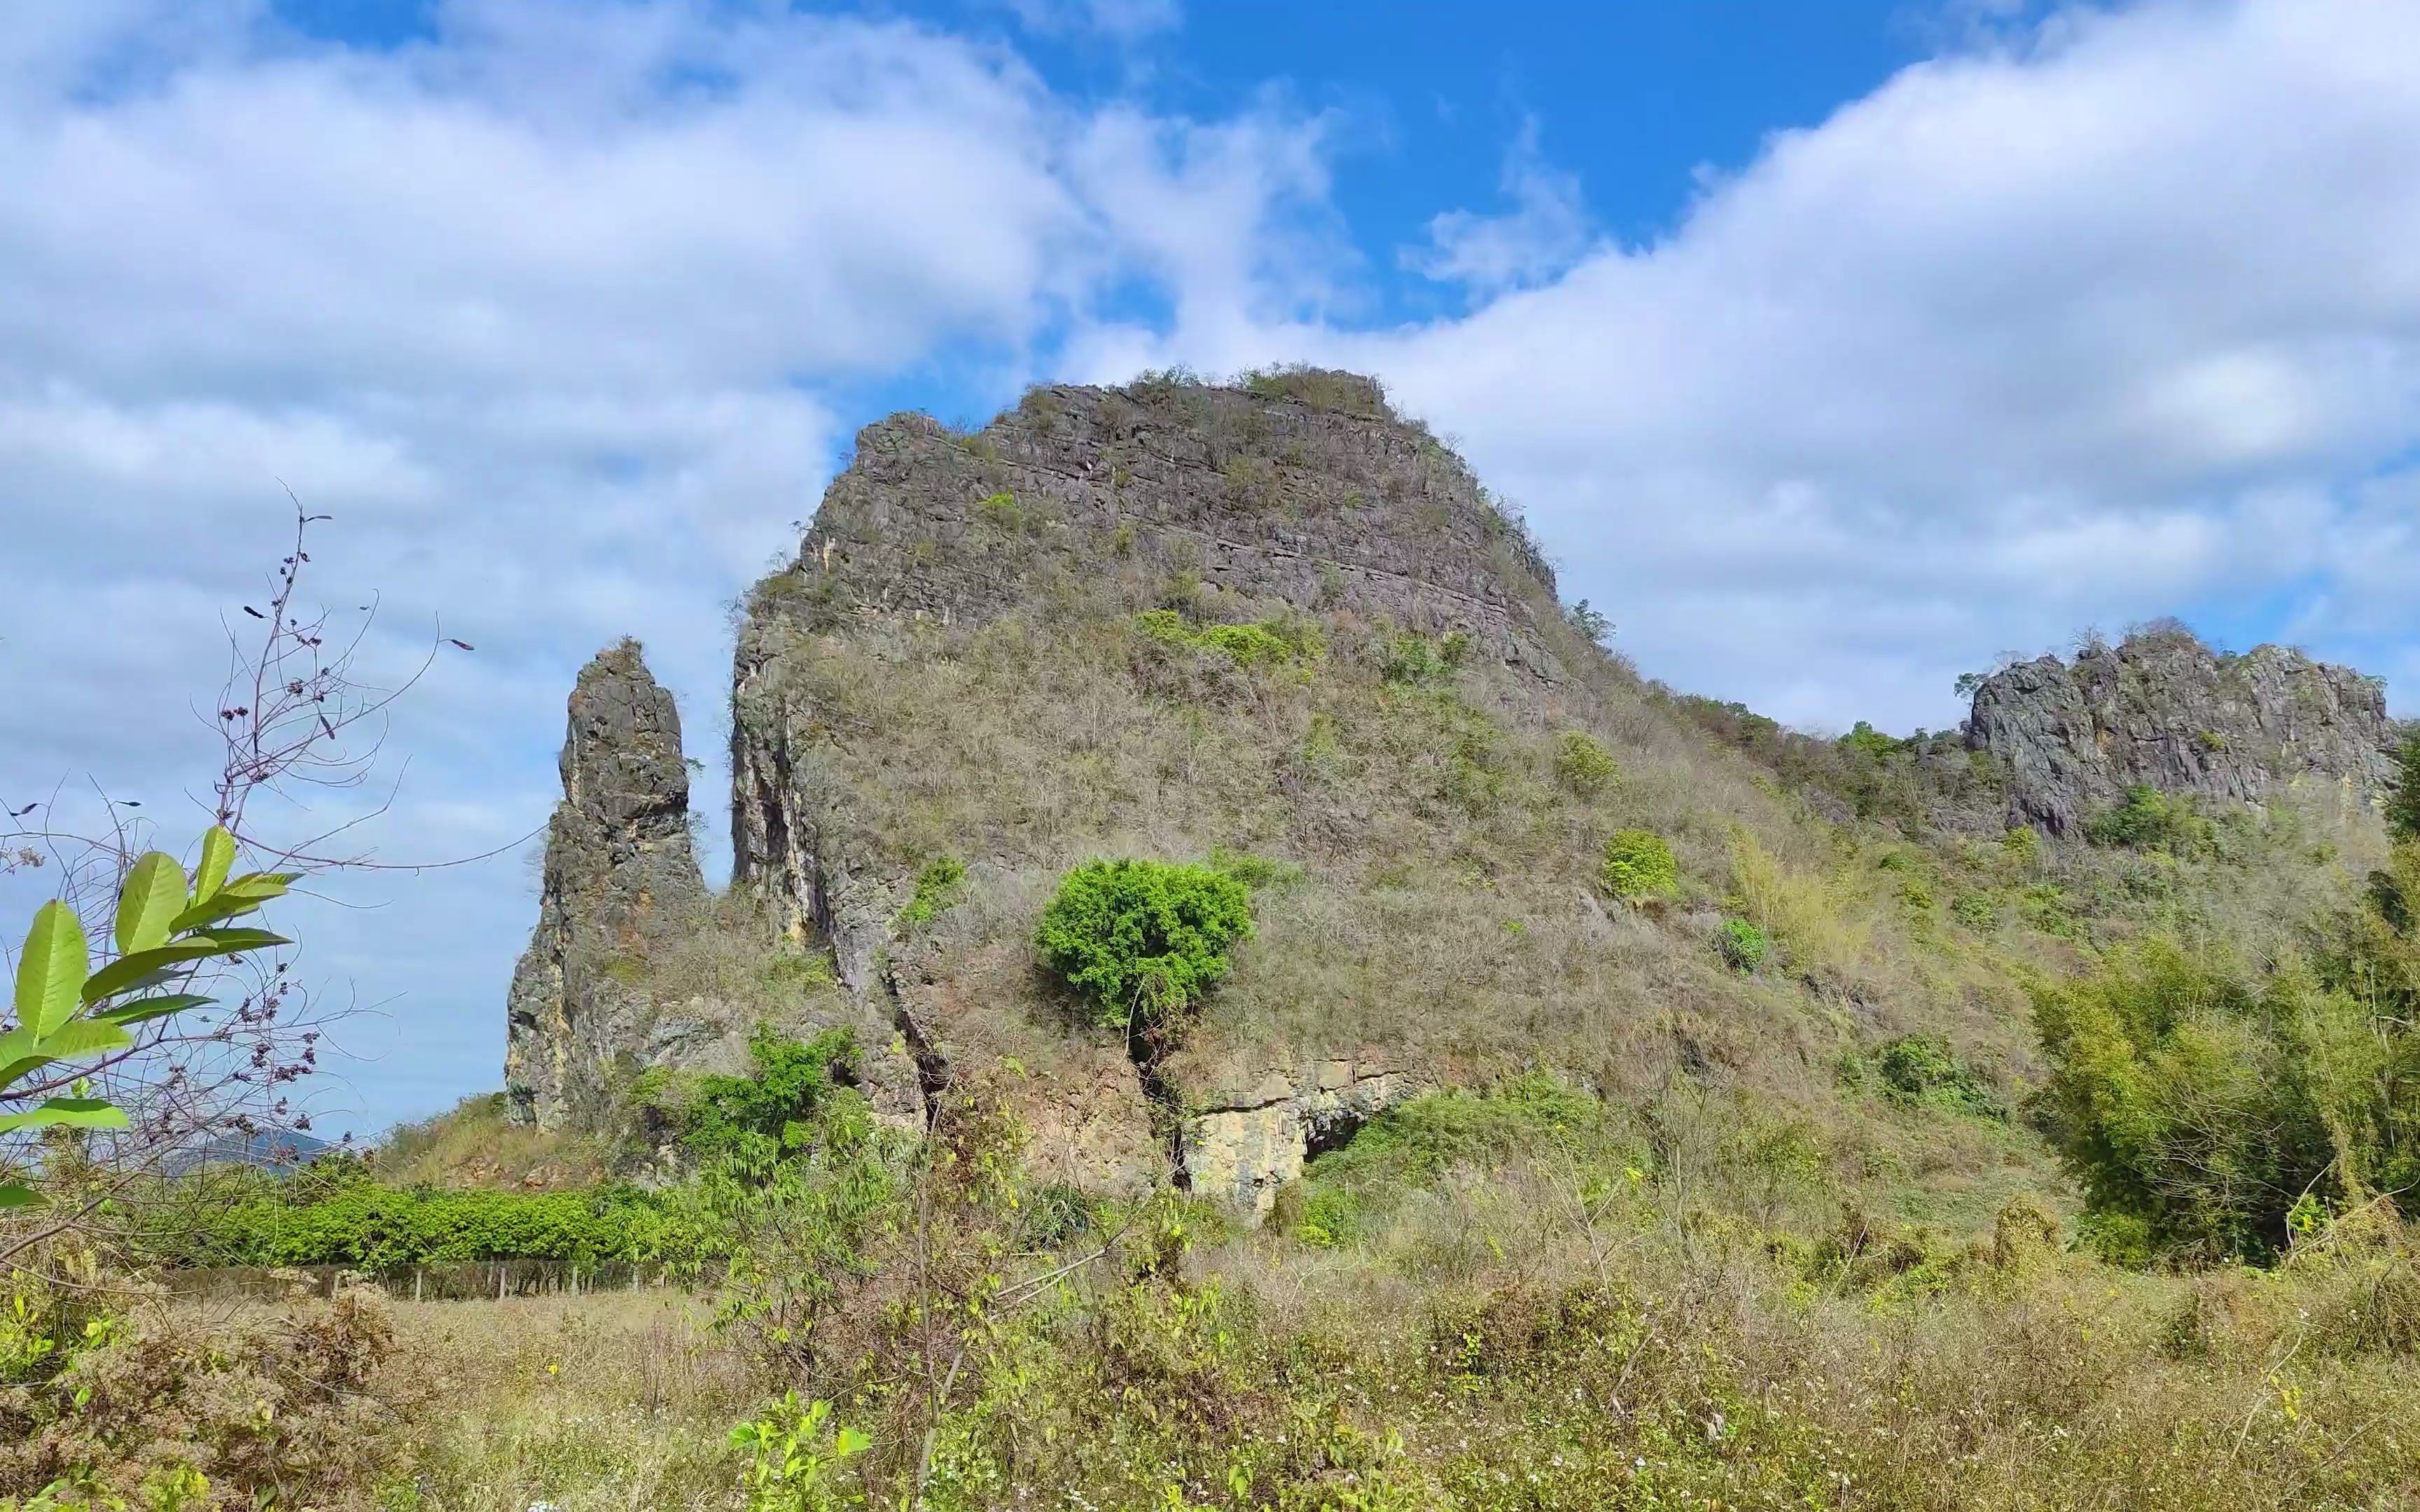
x: 2164, y: 711
x: 620, y: 874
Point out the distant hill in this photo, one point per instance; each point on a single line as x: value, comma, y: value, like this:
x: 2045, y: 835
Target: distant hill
x: 272, y: 1151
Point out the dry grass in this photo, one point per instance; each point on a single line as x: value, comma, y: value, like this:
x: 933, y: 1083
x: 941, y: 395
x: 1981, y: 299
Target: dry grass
x: 611, y: 1402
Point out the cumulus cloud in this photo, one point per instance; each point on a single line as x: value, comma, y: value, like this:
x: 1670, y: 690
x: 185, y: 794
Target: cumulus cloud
x: 1542, y: 236
x: 2107, y: 322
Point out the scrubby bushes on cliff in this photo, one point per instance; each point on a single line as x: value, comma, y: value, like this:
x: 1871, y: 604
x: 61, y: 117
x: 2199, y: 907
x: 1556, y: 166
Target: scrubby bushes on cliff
x: 1267, y: 643
x: 2148, y: 819
x: 1141, y: 941
x: 1638, y: 864
x: 1583, y: 764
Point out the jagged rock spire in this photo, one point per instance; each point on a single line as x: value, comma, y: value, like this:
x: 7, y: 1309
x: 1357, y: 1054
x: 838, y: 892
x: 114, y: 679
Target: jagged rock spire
x: 620, y: 872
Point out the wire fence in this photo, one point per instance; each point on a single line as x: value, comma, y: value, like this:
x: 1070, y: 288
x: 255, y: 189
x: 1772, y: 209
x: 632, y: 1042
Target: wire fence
x: 449, y: 1281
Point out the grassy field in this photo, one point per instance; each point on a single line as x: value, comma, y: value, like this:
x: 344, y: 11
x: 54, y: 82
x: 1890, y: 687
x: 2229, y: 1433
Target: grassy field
x: 1544, y: 1333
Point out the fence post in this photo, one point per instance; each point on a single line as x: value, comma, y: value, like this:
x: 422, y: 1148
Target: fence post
x: 418, y: 1273
x: 500, y: 1280
x: 575, y: 1281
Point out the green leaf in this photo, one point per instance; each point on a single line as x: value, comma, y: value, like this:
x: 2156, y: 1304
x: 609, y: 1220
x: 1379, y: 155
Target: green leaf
x: 153, y: 894
x: 17, y: 1194
x: 21, y: 1051
x: 262, y: 885
x: 143, y: 1010
x: 229, y: 941
x: 218, y: 855
x: 128, y: 971
x: 226, y: 904
x: 51, y: 967
x: 74, y: 1112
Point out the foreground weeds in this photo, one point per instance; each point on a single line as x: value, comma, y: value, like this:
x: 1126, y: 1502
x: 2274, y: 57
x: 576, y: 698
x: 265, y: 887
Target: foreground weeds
x: 1504, y: 1340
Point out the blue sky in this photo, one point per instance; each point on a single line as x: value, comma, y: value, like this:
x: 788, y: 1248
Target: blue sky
x: 1834, y: 350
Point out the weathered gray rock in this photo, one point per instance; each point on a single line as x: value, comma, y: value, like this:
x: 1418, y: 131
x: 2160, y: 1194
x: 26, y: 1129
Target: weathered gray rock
x: 2164, y: 711
x: 620, y: 875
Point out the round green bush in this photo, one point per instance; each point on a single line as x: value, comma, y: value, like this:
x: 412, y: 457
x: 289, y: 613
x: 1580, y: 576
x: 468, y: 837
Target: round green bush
x: 1638, y: 864
x: 1141, y: 941
x: 1742, y: 945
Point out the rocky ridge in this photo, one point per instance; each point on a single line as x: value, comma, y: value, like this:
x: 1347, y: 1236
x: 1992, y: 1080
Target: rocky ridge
x: 2164, y: 711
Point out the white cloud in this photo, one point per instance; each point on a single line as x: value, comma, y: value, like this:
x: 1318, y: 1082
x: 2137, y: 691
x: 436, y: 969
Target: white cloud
x: 1540, y: 236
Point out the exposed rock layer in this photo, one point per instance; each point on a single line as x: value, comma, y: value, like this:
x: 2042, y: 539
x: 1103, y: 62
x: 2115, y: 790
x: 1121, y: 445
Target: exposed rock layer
x: 2164, y: 711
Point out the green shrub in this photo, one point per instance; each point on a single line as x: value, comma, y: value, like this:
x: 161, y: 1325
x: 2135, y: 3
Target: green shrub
x: 1976, y: 910
x: 1141, y: 941
x: 1269, y: 644
x: 1741, y: 945
x: 1002, y: 512
x: 2147, y: 818
x: 2023, y: 843
x: 2197, y: 1102
x: 770, y: 1110
x: 1922, y: 1069
x: 2403, y: 791
x: 1583, y: 764
x: 1260, y: 873
x: 938, y: 886
x: 1867, y: 741
x: 1638, y: 864
x: 1412, y: 660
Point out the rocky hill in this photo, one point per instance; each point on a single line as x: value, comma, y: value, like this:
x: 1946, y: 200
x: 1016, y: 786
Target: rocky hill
x: 1276, y: 626
x: 2163, y: 710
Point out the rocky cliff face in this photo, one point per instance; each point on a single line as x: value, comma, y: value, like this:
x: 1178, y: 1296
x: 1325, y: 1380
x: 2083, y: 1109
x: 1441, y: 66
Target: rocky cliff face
x: 2164, y: 711
x: 620, y: 876
x: 1318, y: 503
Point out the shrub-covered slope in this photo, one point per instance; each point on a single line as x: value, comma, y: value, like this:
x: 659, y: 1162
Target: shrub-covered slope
x: 1277, y: 629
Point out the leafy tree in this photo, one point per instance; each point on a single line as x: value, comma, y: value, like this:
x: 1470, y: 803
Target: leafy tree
x: 2198, y: 1104
x: 1592, y: 622
x: 2149, y: 819
x: 1143, y: 941
x: 2404, y: 791
x: 1865, y: 740
x: 770, y: 1110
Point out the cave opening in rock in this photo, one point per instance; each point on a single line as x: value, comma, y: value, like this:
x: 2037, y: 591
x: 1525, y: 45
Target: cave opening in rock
x: 1333, y: 1133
